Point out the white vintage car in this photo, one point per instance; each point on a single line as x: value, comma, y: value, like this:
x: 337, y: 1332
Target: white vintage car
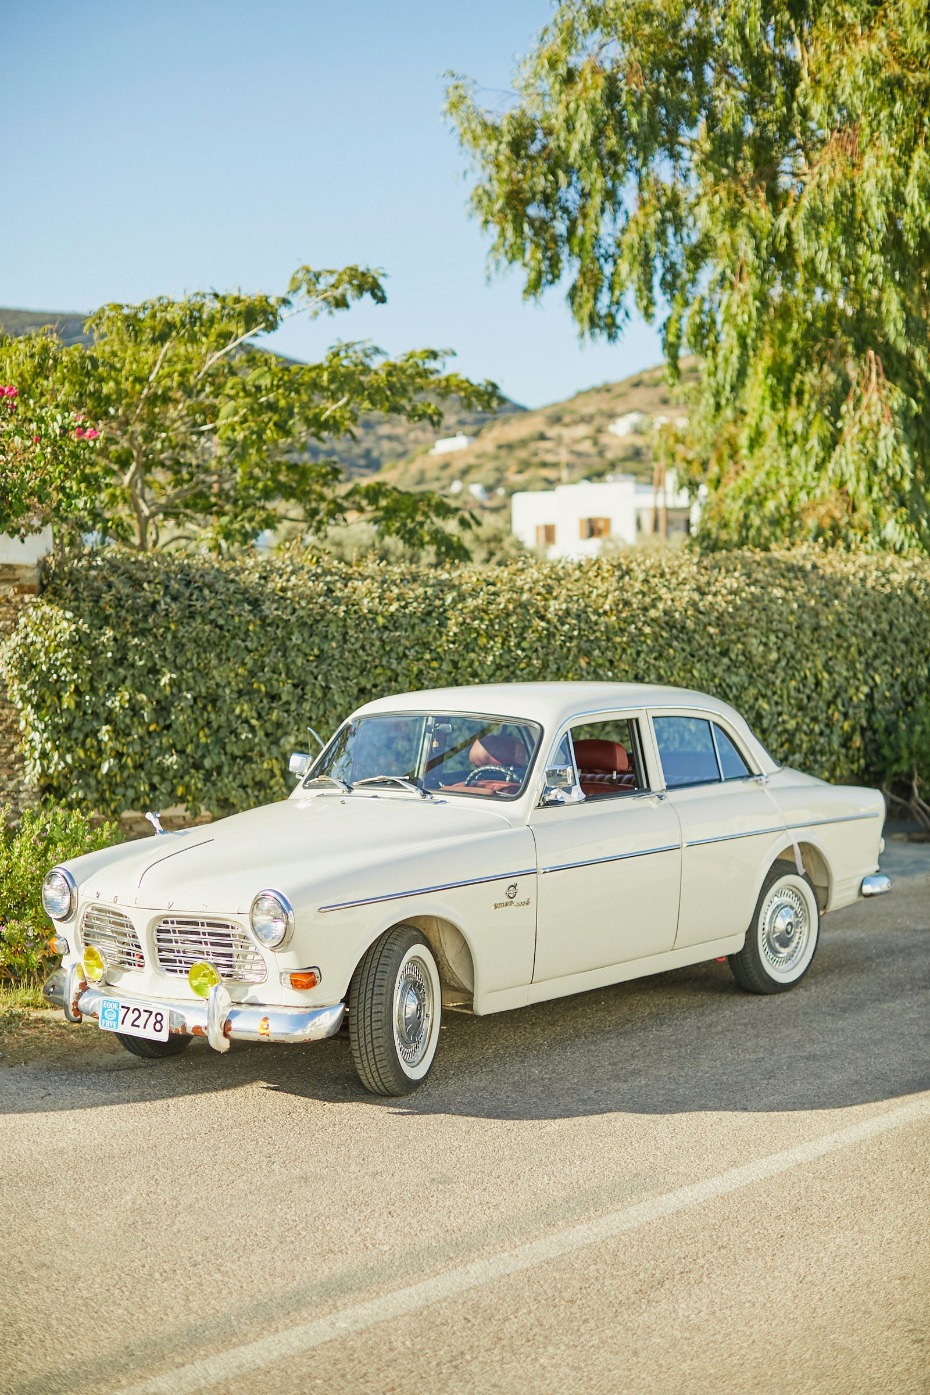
x: 466, y: 848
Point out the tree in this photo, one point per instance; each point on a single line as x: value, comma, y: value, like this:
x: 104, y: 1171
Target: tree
x: 200, y: 434
x: 757, y: 178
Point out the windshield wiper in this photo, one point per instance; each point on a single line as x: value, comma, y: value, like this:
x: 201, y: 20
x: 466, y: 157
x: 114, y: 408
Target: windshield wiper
x: 398, y: 780
x: 332, y: 780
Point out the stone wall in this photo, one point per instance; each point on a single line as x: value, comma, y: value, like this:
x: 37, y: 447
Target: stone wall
x: 19, y: 585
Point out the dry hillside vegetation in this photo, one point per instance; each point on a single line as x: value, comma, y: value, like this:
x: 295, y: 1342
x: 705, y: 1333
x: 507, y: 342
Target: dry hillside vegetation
x: 567, y: 441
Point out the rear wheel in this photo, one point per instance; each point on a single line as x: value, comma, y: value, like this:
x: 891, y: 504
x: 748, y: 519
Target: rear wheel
x: 153, y: 1050
x: 782, y: 938
x: 395, y: 1006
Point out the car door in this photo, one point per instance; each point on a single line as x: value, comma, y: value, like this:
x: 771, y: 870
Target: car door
x: 725, y: 812
x: 609, y: 866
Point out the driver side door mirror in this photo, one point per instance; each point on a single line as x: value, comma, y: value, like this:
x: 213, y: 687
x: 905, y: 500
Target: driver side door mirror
x: 560, y: 787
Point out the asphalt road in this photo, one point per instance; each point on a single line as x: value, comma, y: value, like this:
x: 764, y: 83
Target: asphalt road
x: 667, y: 1186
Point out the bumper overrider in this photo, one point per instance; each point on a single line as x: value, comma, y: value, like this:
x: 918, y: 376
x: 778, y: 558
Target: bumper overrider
x: 217, y: 1017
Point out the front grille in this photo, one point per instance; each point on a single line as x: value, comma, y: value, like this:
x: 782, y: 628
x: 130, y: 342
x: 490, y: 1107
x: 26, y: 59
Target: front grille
x: 181, y: 941
x: 110, y: 931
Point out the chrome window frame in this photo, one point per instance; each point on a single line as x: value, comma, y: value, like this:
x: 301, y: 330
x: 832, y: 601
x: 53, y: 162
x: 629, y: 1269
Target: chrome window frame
x: 636, y: 716
x: 715, y: 719
x: 510, y: 720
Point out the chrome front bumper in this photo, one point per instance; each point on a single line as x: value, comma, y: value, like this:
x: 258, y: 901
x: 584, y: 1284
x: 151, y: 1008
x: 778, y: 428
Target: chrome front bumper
x: 217, y: 1018
x: 875, y: 885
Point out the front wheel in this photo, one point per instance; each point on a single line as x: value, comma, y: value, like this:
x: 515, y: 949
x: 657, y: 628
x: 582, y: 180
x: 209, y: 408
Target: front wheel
x: 782, y: 938
x: 395, y: 1006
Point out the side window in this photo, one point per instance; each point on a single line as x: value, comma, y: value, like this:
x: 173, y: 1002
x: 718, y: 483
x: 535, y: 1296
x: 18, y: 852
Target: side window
x: 731, y: 762
x: 607, y: 756
x: 686, y: 749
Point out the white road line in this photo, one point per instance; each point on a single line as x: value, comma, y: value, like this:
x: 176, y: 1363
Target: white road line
x: 293, y: 1341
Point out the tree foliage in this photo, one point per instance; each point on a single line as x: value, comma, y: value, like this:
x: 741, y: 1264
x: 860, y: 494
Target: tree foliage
x: 756, y: 177
x: 201, y: 434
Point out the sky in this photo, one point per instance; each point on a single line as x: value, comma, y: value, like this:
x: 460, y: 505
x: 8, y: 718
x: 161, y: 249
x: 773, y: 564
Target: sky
x: 153, y: 147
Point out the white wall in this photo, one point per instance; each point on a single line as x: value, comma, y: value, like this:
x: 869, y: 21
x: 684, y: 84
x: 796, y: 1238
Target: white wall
x: 25, y: 553
x: 567, y: 505
x: 628, y: 505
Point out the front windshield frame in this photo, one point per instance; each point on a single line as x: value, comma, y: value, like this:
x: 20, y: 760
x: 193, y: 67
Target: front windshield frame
x: 438, y: 792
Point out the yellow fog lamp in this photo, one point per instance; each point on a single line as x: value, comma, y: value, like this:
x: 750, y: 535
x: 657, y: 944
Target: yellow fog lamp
x: 202, y: 977
x: 95, y: 965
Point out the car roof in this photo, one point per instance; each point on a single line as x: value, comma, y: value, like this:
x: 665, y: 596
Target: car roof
x: 555, y: 704
x: 549, y: 703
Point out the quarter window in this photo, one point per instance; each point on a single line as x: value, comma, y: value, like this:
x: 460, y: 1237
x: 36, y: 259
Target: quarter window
x: 686, y: 749
x: 731, y: 762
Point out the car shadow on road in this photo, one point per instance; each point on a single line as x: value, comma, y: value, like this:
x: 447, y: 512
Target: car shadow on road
x: 856, y: 1031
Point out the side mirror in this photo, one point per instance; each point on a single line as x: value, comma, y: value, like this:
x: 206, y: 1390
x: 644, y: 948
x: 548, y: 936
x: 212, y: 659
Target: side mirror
x: 299, y: 763
x: 560, y: 786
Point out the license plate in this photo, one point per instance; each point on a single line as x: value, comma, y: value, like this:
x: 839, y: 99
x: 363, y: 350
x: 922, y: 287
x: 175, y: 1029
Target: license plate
x: 134, y: 1019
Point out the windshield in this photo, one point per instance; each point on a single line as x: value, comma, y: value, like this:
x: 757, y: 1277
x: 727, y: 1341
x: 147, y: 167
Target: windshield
x: 489, y: 757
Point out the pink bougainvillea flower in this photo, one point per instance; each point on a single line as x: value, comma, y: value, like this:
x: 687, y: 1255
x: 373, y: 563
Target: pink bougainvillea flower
x: 35, y: 438
x: 90, y: 434
x: 78, y: 434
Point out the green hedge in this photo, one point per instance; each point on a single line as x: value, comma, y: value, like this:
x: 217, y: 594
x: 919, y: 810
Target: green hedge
x: 143, y: 682
x: 28, y: 849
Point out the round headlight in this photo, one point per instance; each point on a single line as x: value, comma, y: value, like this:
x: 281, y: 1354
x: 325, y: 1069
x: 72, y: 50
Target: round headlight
x: 271, y: 918
x: 59, y: 894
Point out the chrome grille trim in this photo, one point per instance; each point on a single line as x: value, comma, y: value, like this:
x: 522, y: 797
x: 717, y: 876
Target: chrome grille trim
x: 181, y: 941
x: 112, y: 932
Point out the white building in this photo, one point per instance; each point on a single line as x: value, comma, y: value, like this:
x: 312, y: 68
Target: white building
x: 573, y: 520
x: 628, y: 424
x: 448, y: 445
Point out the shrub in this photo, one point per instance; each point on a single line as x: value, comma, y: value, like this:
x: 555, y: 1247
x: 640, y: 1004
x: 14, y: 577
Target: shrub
x: 44, y: 837
x: 145, y: 681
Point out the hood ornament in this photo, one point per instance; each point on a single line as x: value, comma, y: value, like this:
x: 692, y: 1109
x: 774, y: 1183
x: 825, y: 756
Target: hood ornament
x: 155, y: 821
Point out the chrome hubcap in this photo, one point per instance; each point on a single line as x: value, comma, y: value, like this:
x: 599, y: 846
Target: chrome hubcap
x: 785, y: 928
x: 413, y: 1012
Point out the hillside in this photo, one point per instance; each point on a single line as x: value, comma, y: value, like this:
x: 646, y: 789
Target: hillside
x: 514, y: 448
x: 69, y: 325
x: 566, y: 441
x: 381, y: 440
x: 386, y: 441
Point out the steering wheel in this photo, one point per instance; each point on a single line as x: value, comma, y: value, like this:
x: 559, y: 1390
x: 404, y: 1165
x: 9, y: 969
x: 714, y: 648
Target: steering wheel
x: 507, y: 771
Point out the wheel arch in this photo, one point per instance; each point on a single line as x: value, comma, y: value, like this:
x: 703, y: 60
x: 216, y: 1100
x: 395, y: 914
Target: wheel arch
x: 454, y: 955
x: 815, y: 864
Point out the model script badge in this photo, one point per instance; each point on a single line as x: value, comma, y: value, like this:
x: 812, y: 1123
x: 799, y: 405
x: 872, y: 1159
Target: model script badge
x: 510, y: 894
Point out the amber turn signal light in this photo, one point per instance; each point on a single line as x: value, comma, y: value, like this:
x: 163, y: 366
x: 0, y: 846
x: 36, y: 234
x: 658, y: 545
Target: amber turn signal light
x: 301, y: 978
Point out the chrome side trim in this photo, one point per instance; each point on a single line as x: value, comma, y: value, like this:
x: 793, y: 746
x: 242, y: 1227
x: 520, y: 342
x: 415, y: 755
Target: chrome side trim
x: 781, y: 828
x: 614, y: 857
x: 876, y: 885
x: 424, y: 890
x: 729, y: 837
x: 844, y: 818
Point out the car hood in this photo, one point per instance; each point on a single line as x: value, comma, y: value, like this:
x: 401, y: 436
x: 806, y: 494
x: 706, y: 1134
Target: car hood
x: 315, y: 843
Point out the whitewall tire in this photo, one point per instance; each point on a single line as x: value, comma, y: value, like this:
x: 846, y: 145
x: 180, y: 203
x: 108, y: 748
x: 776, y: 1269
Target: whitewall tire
x: 782, y: 938
x: 395, y: 1010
